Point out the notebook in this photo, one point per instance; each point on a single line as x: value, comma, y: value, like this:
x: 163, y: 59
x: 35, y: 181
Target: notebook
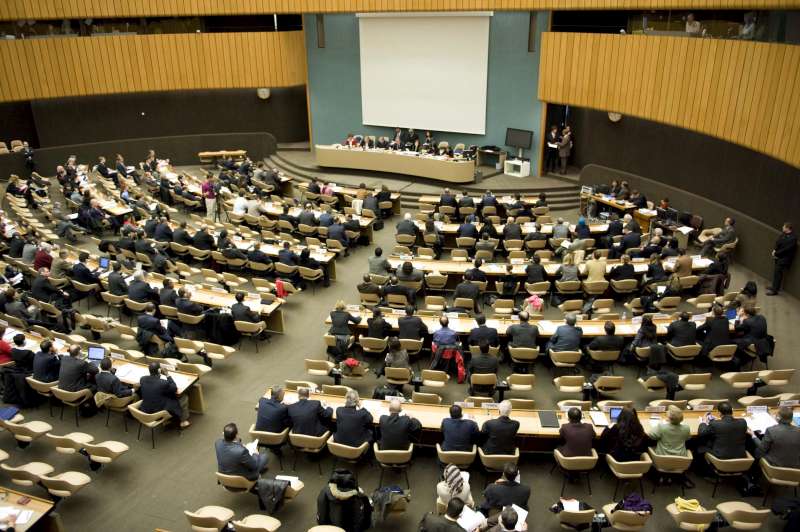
x: 549, y: 419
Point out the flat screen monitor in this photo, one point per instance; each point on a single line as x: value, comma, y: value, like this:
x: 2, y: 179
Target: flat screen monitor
x: 104, y: 262
x: 96, y: 354
x: 672, y: 214
x: 519, y: 138
x: 613, y: 413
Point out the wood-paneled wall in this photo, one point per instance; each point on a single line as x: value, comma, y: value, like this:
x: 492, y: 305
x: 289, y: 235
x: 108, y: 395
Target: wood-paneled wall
x: 54, y: 9
x: 48, y: 68
x: 743, y: 92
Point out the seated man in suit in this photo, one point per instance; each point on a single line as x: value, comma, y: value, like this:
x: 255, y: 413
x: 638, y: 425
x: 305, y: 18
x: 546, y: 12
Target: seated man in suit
x: 185, y: 305
x: 715, y: 237
x: 76, y: 374
x: 108, y: 382
x: 308, y: 416
x: 159, y: 394
x: 233, y: 458
x: 258, y: 255
x: 444, y: 523
x: 512, y: 230
x: 273, y: 415
x: 465, y: 200
x: 483, y: 332
x: 411, y: 327
x: 353, y: 423
x: 682, y: 331
x: 499, y: 435
x: 377, y: 327
x: 181, y: 235
x: 366, y: 286
x: 505, y: 492
x: 577, y: 436
x: 623, y: 271
x: 407, y: 272
x: 378, y: 264
x: 397, y: 432
x: 148, y: 321
x: 459, y: 434
x: 467, y: 290
x: 468, y: 229
x: 82, y: 273
x: 140, y: 291
x: 46, y: 364
x: 23, y: 358
x: 448, y: 199
x: 168, y: 296
x: 725, y: 437
x: 117, y: 284
x: 163, y: 231
x: 394, y: 287
x: 567, y: 337
x: 716, y: 330
x: 42, y: 290
x: 482, y: 363
x: 202, y: 240
x: 287, y: 256
x: 780, y: 443
x: 406, y: 226
x: 523, y: 334
x: 241, y: 312
x: 608, y: 342
x: 306, y: 216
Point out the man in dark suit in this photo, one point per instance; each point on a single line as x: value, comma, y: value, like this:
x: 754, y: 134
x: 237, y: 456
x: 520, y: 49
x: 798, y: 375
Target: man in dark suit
x: 467, y: 290
x: 483, y: 333
x: 609, y: 341
x: 337, y: 232
x: 108, y: 382
x: 46, y: 364
x: 505, y: 492
x: 75, y: 373
x: 241, y: 312
x: 82, y: 274
x: 567, y: 337
x: 512, y: 230
x: 630, y: 239
x: 182, y: 236
x: 202, y: 240
x: 710, y: 239
x: 488, y: 200
x: 287, y: 256
x: 150, y: 226
x: 411, y: 327
x: 185, y: 305
x: 577, y: 436
x: 159, y: 393
x: 273, y: 415
x: 367, y: 286
x: 682, y: 331
x: 23, y: 358
x: 257, y: 255
x: 141, y: 245
x: 726, y: 437
x: 716, y: 330
x: 475, y: 273
x: 499, y: 435
x: 523, y: 334
x: 623, y: 271
x: 353, y: 422
x: 116, y: 281
x: 394, y: 287
x: 751, y: 329
x: 468, y: 229
x: 458, y: 434
x: 309, y: 416
x: 465, y: 200
x: 397, y: 432
x: 233, y: 458
x: 444, y: 523
x: 163, y: 232
x: 780, y: 443
x: 783, y: 254
x: 42, y: 290
x: 371, y: 203
x: 168, y: 295
x: 147, y: 321
x: 140, y: 291
x: 306, y: 216
x: 482, y: 363
x: 406, y: 226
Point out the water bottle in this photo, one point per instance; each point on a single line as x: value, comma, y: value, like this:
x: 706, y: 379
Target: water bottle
x: 625, y: 315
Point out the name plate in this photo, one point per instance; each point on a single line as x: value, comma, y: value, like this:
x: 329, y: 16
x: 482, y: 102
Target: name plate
x: 703, y: 408
x: 487, y: 406
x: 655, y: 409
x: 464, y: 404
x: 756, y: 409
x: 793, y: 402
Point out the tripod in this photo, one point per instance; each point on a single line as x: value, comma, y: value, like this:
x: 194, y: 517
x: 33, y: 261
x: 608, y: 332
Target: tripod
x: 218, y: 212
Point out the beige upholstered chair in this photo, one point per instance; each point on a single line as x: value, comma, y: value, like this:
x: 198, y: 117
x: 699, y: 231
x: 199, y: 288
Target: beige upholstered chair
x: 787, y: 477
x: 209, y: 518
x: 150, y: 421
x: 734, y: 467
x: 691, y: 521
x: 462, y: 459
x: 609, y: 385
x: 569, y: 383
x: 494, y: 463
x: 694, y: 381
x: 27, y: 474
x: 395, y: 460
x: 426, y: 398
x: 624, y: 519
x: 69, y: 443
x: 521, y: 382
x: 576, y: 520
x: 72, y: 399
x: 311, y: 445
x: 743, y: 516
x: 581, y: 465
x: 26, y: 432
x: 346, y: 453
x: 271, y: 440
x: 627, y: 471
x: 257, y: 523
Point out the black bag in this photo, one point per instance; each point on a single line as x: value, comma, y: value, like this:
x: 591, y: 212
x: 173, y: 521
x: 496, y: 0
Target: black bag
x: 382, y: 390
x: 377, y: 225
x: 748, y: 488
x: 16, y: 389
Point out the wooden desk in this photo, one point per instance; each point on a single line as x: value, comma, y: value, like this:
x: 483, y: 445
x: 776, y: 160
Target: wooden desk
x: 449, y: 231
x: 505, y: 201
x: 342, y: 191
x: 9, y: 499
x: 408, y: 163
x: 132, y: 372
x: 114, y: 208
x: 32, y: 340
x: 273, y: 210
x: 211, y: 156
x: 320, y: 254
x: 530, y: 437
x: 463, y: 325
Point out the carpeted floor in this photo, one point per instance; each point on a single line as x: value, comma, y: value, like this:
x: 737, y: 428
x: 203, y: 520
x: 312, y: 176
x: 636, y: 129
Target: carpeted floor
x: 148, y: 489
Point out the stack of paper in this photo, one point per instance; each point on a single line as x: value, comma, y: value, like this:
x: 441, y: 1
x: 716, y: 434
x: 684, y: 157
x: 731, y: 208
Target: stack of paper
x: 760, y: 421
x: 470, y: 520
x: 252, y: 447
x: 522, y: 516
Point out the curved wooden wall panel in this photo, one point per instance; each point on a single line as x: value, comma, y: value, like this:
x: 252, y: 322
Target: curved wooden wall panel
x: 743, y: 92
x: 49, y: 68
x: 55, y: 9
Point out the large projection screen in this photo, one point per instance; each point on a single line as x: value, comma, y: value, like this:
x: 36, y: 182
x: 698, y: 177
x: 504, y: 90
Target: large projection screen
x: 425, y: 70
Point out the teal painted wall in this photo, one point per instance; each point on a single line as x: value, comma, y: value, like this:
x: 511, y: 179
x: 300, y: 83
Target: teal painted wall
x: 334, y: 81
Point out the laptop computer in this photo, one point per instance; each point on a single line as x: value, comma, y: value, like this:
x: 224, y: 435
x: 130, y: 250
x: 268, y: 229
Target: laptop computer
x: 96, y: 354
x: 104, y: 263
x: 613, y: 413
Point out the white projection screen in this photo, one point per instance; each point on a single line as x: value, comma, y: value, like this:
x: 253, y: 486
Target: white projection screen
x: 425, y: 70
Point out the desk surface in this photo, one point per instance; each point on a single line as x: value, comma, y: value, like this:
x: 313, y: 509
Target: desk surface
x: 399, y: 162
x: 275, y: 210
x: 504, y: 200
x: 463, y: 325
x: 338, y: 189
x: 431, y: 416
x: 131, y: 373
x: 9, y: 501
x: 528, y: 227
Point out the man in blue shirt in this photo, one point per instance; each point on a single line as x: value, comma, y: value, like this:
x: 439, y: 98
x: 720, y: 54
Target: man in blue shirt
x: 445, y: 335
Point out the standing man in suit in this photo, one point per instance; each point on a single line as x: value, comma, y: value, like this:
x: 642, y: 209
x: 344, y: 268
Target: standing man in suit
x: 551, y: 150
x: 725, y: 437
x: 783, y: 255
x: 75, y: 373
x: 233, y: 458
x: 459, y: 434
x: 159, y: 393
x: 567, y: 337
x: 353, y: 422
x: 564, y: 148
x: 397, y: 432
x: 780, y: 443
x: 499, y: 434
x: 309, y: 416
x: 273, y: 415
x: 108, y: 382
x: 505, y: 492
x: 577, y: 436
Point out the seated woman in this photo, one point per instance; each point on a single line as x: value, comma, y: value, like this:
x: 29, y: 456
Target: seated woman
x: 568, y: 271
x: 454, y: 484
x: 625, y: 441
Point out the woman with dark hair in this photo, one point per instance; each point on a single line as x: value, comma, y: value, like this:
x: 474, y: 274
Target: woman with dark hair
x: 430, y: 229
x: 626, y: 440
x: 655, y: 270
x: 223, y: 242
x: 307, y: 261
x: 342, y: 503
x: 645, y: 337
x: 488, y: 228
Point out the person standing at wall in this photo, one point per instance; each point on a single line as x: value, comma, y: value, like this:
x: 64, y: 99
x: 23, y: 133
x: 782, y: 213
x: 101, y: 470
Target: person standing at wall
x: 783, y: 255
x: 565, y: 148
x: 551, y: 150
